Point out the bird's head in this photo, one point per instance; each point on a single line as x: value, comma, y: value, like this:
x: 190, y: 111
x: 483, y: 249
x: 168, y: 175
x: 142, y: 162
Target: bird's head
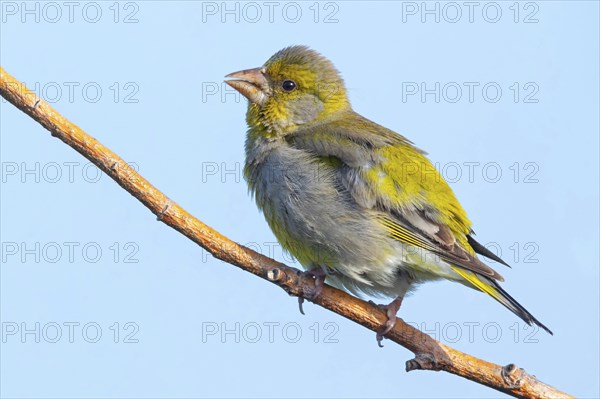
x: 295, y: 87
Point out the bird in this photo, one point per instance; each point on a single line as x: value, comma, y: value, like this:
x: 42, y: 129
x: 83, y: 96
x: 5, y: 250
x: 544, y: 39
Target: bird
x: 358, y: 205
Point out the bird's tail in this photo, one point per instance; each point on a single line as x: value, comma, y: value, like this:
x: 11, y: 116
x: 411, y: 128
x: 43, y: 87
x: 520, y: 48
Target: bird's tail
x: 494, y: 290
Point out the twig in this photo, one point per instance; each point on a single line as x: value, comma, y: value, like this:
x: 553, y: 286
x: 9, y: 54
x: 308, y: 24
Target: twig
x: 429, y: 353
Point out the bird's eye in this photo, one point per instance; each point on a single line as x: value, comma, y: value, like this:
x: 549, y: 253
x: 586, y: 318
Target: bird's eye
x: 288, y: 85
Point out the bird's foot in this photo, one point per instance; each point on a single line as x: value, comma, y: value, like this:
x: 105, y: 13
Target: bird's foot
x: 391, y: 309
x: 318, y: 274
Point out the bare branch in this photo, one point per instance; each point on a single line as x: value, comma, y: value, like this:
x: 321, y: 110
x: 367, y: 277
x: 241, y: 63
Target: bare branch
x: 429, y: 353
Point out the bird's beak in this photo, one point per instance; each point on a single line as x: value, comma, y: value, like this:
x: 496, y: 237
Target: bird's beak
x: 252, y: 83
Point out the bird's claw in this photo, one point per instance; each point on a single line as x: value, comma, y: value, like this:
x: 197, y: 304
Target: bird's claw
x: 313, y: 292
x: 391, y: 309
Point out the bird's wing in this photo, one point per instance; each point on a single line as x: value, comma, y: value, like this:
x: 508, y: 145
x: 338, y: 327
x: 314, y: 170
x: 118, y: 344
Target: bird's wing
x: 383, y: 171
x: 482, y: 250
x: 449, y: 250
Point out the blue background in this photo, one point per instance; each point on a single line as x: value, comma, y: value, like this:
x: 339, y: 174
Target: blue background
x: 174, y: 121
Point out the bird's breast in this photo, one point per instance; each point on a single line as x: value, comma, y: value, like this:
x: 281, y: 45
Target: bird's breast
x: 311, y: 213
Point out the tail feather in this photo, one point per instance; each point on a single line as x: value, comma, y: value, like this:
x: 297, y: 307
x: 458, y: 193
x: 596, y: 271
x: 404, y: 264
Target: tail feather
x: 493, y: 289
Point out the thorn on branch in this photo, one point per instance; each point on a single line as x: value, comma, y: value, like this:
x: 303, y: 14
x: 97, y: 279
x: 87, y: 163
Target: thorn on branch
x: 512, y: 375
x: 54, y: 132
x: 422, y: 361
x: 161, y: 214
x: 36, y: 103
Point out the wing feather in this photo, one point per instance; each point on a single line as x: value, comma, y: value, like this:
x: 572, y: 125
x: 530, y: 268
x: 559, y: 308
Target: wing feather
x: 376, y: 166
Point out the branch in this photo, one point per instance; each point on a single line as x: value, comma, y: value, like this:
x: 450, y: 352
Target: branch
x: 429, y: 353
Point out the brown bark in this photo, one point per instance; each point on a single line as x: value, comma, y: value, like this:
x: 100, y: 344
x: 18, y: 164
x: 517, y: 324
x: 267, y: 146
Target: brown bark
x: 429, y: 353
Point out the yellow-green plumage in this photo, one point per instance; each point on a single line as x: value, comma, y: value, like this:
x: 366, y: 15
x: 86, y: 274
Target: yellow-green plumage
x: 351, y: 197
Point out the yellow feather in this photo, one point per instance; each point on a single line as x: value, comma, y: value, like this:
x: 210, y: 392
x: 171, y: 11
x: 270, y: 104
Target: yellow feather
x: 482, y: 286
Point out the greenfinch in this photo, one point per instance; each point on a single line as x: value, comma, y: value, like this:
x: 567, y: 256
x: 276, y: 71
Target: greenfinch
x: 357, y: 204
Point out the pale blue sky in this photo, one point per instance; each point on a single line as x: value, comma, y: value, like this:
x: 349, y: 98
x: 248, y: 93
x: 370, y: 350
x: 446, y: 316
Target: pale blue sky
x: 514, y: 127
